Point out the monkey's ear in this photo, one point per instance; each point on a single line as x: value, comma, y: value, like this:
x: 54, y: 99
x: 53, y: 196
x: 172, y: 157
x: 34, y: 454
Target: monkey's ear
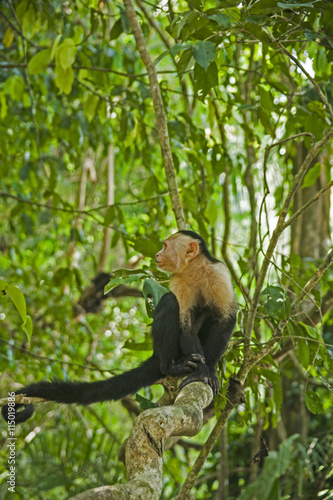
x: 192, y: 251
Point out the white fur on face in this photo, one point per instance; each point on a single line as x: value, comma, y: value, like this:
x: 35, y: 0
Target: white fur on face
x: 174, y: 255
x: 196, y: 281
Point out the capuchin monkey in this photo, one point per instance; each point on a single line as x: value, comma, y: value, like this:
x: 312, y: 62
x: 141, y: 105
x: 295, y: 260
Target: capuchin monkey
x: 191, y: 329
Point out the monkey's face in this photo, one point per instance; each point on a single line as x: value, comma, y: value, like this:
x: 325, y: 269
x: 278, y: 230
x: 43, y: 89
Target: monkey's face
x: 178, y: 250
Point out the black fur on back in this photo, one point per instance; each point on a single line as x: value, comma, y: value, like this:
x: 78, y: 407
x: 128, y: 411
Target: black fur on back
x: 202, y: 244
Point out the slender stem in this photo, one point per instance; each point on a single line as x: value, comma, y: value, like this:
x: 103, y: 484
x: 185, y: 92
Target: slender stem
x: 312, y: 80
x: 304, y: 292
x: 314, y: 150
x: 308, y: 204
x: 162, y: 127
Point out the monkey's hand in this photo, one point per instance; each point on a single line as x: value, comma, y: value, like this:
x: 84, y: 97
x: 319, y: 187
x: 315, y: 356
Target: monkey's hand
x: 186, y: 365
x: 193, y: 359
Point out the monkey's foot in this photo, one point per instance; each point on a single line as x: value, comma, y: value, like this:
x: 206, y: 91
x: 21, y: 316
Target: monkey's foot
x: 214, y: 382
x: 202, y: 376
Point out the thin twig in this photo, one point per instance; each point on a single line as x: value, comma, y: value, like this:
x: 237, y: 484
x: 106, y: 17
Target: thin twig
x: 52, y: 360
x: 33, y: 106
x: 307, y: 74
x: 82, y: 212
x: 307, y: 205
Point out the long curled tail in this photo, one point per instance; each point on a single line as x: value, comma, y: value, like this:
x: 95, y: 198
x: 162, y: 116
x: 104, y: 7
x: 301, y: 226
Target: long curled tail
x: 85, y: 393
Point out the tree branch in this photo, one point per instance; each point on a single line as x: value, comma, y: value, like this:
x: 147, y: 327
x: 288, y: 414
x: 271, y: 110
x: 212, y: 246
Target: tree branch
x: 162, y: 127
x: 307, y: 205
x: 144, y: 451
x: 235, y: 396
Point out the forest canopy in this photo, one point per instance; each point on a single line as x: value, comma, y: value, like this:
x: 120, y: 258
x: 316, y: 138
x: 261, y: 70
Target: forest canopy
x: 218, y: 119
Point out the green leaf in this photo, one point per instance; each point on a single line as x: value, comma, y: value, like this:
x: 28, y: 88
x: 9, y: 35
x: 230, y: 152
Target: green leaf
x: 212, y: 212
x: 30, y: 20
x: 122, y: 281
x: 145, y: 404
x: 179, y: 47
x: 258, y: 32
x: 303, y: 353
x: 204, y: 53
x: 197, y: 4
x: 203, y: 81
x: 296, y: 5
x: 125, y: 277
x: 312, y: 175
x: 131, y: 345
x: 110, y: 215
x: 14, y: 86
x: 151, y: 186
x: 39, y: 62
x: 266, y: 99
x: 3, y: 285
x: 313, y: 402
x: 66, y: 53
x: 27, y: 327
x: 147, y: 246
x: 64, y: 78
x: 117, y: 29
x: 21, y: 9
x: 3, y: 106
x: 152, y: 292
x: 285, y: 453
x: 276, y: 302
x: 180, y: 21
x: 102, y: 112
x: 26, y: 100
x: 8, y: 38
x: 161, y: 57
x: 186, y: 62
x: 89, y: 106
x: 19, y: 301
x: 55, y: 46
x: 313, y: 333
x: 221, y: 19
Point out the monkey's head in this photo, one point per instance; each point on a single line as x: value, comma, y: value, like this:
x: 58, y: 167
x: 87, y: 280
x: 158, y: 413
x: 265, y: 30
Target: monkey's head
x: 179, y: 250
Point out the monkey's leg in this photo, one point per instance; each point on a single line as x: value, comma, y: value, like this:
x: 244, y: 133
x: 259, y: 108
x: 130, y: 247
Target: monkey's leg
x: 214, y: 336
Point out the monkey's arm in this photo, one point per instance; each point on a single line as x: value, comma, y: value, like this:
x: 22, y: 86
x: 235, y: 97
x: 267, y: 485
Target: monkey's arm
x: 166, y: 335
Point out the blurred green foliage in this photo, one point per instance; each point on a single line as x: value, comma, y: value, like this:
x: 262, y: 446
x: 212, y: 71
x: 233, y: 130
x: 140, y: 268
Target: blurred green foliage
x: 236, y: 77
